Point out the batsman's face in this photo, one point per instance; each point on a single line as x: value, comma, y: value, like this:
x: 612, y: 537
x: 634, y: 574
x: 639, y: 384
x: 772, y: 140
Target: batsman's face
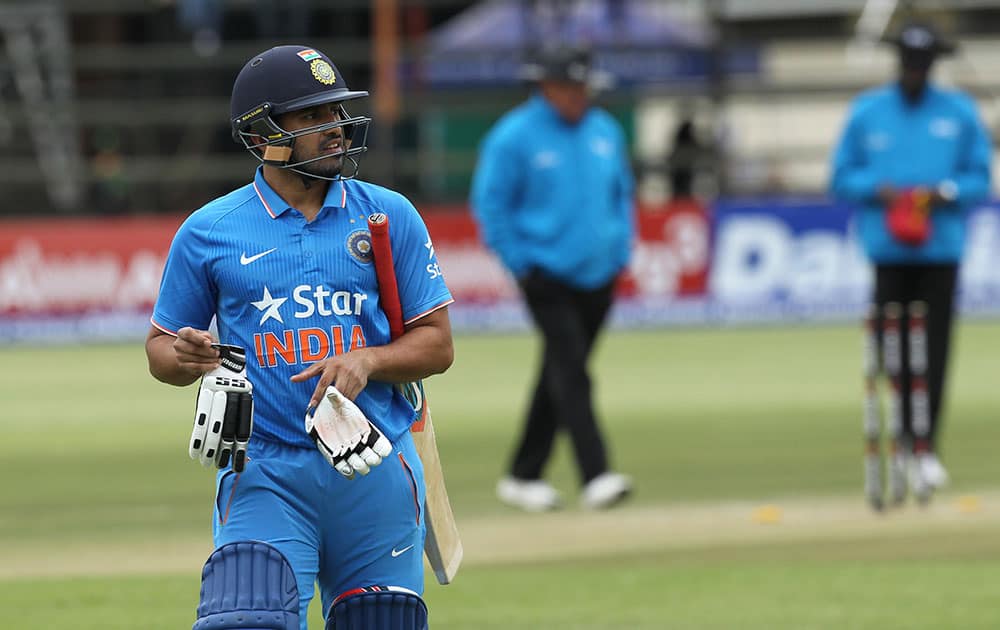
x: 331, y: 143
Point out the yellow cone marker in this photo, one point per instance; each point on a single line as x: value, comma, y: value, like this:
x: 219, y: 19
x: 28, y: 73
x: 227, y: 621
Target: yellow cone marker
x: 767, y: 515
x: 969, y: 504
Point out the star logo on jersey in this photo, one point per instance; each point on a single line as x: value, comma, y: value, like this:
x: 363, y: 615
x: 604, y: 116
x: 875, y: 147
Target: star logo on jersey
x: 269, y: 305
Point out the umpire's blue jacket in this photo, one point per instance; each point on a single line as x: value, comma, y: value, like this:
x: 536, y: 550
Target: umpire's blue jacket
x: 556, y: 196
x: 889, y: 141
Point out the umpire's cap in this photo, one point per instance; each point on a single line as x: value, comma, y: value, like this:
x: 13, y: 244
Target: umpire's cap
x: 567, y: 64
x: 920, y: 41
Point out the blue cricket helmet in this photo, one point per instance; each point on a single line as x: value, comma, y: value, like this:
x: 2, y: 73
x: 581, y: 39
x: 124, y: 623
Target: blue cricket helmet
x: 284, y: 79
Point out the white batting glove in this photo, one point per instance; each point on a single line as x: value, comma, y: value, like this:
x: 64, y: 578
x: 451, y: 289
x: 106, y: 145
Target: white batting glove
x: 223, y: 419
x: 345, y: 437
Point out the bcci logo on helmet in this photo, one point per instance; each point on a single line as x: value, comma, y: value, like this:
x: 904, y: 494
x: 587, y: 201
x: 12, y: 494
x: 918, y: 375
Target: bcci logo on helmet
x: 323, y: 72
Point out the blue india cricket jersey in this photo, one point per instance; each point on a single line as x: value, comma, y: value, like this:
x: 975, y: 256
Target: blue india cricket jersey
x: 292, y: 292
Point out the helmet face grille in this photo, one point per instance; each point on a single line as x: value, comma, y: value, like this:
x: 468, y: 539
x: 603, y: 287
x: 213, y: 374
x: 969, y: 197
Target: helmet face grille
x: 265, y: 133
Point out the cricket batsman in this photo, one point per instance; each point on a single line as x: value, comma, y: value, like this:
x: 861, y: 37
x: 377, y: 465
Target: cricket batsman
x: 296, y: 406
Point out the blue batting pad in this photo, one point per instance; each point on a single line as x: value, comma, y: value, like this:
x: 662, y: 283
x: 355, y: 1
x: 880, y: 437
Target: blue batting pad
x: 248, y: 585
x: 378, y: 608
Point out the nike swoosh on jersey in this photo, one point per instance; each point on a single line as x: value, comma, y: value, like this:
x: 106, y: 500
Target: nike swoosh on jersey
x: 401, y: 551
x: 246, y: 260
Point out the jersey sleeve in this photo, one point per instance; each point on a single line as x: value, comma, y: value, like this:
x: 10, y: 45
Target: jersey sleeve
x: 421, y: 284
x: 973, y: 172
x: 853, y: 179
x: 495, y: 197
x: 187, y: 294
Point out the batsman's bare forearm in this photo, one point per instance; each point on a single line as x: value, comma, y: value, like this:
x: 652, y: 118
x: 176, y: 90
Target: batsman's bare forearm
x: 165, y: 364
x: 424, y: 349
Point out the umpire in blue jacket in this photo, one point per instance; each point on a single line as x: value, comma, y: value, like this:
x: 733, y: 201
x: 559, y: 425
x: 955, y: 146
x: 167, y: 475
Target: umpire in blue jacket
x: 912, y: 135
x: 553, y: 198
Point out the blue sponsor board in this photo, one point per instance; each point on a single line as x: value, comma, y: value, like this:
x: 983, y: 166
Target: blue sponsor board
x: 795, y: 260
x: 779, y: 261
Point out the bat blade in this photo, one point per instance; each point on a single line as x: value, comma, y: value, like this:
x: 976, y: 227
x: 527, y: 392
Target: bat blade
x: 443, y: 546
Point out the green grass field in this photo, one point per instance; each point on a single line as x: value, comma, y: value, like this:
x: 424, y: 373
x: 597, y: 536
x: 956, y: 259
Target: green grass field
x: 745, y: 445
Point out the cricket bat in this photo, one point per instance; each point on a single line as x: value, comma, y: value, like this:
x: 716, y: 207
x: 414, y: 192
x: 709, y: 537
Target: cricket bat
x: 443, y: 546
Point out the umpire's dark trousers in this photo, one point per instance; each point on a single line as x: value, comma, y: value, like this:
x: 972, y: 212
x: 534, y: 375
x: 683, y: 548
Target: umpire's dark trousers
x: 569, y: 320
x: 935, y: 285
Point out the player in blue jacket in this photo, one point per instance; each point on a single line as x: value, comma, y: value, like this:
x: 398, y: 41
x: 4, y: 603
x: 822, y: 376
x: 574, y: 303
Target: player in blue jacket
x: 913, y: 159
x: 284, y: 267
x: 553, y: 197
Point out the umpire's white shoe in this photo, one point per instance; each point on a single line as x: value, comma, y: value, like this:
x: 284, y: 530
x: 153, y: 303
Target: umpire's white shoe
x: 605, y: 490
x: 898, y: 465
x: 932, y: 471
x: 531, y: 495
x: 921, y: 489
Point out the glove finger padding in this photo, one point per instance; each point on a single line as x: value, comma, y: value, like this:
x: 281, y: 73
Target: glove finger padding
x: 238, y: 414
x: 357, y: 463
x: 203, y: 408
x: 375, y: 447
x: 227, y: 436
x: 213, y: 434
x: 345, y: 437
x: 244, y: 427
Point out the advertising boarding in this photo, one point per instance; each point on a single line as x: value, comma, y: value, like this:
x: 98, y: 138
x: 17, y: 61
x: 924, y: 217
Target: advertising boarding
x: 754, y: 262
